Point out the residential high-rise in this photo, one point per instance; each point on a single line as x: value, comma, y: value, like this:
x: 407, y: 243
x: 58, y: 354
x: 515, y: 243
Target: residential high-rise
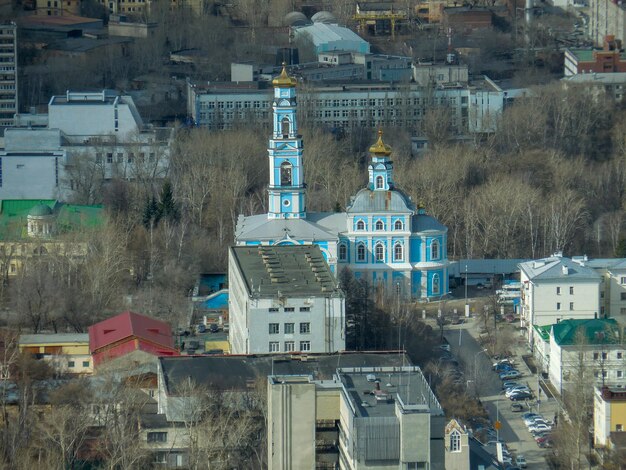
x: 8, y: 74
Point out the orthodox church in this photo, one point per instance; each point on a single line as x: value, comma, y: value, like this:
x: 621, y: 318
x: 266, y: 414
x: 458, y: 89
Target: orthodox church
x: 382, y: 237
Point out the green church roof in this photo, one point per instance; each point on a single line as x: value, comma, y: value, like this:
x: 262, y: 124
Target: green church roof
x: 590, y: 331
x: 40, y: 210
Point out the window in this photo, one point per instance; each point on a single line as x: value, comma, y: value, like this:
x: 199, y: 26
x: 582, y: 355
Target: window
x: 71, y: 364
x: 622, y: 295
x: 455, y: 441
x: 305, y: 309
x: 360, y: 252
x: 305, y: 345
x: 288, y: 328
x: 558, y: 290
x: 604, y: 356
x: 436, y: 284
x: 157, y: 437
x: 571, y: 290
x: 379, y: 252
x: 285, y: 174
x: 343, y: 252
x: 379, y: 182
x: 380, y: 225
x: 289, y: 309
x: 595, y: 356
x: 109, y: 158
x: 290, y: 346
x: 305, y: 328
x: 274, y: 347
x: 274, y: 328
x: 98, y: 158
x: 398, y: 254
x: 571, y: 305
x: 120, y: 157
x: 619, y: 427
x: 558, y: 305
x: 85, y: 363
x: 434, y: 250
x: 397, y: 225
x: 360, y: 225
x: 619, y: 374
x: 622, y: 280
x: 160, y: 457
x: 273, y: 309
x: 619, y: 355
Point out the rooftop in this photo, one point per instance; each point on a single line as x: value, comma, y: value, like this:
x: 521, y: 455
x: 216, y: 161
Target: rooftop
x: 558, y: 268
x: 322, y: 33
x: 288, y: 270
x: 54, y: 338
x: 588, y: 332
x: 587, y: 55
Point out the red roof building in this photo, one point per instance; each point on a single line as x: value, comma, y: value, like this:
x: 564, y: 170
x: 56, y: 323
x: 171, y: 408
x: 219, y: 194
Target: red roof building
x: 129, y: 332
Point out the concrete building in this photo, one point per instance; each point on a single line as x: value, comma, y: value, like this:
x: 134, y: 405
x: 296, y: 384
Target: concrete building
x: 348, y: 105
x: 464, y: 452
x: 611, y: 86
x: 556, y: 289
x: 613, y: 287
x: 101, y: 133
x: 432, y: 74
x: 283, y: 299
x: 609, y: 417
x: 598, y: 342
x: 329, y: 37
x: 398, y: 423
x: 65, y: 352
x: 606, y: 17
x: 610, y: 59
x: 8, y: 74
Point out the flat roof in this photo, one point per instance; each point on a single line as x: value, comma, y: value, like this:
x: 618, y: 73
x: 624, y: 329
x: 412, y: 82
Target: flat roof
x: 288, y: 270
x: 55, y: 338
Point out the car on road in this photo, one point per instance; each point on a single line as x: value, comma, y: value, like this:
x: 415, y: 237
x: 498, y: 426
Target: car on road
x: 521, y: 397
x: 539, y: 427
x: 510, y: 374
x: 517, y: 388
x: 520, y: 461
x: 510, y: 384
x: 499, y: 368
x: 528, y: 420
x: 530, y: 414
x: 517, y: 407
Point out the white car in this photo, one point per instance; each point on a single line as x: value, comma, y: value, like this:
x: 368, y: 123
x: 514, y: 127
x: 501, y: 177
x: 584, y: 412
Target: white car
x: 530, y: 421
x: 520, y: 388
x: 520, y: 461
x: 539, y: 427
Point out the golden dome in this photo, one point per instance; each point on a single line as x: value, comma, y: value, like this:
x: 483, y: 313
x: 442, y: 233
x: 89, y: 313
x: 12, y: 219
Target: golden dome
x: 284, y: 80
x: 380, y: 148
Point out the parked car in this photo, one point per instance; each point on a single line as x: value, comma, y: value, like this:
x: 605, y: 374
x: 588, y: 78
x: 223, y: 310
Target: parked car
x: 530, y: 414
x: 532, y: 419
x: 506, y: 360
x: 200, y: 328
x: 517, y: 407
x: 539, y: 427
x: 517, y: 388
x: 509, y: 384
x: 444, y: 347
x: 522, y: 396
x: 510, y: 374
x: 214, y: 327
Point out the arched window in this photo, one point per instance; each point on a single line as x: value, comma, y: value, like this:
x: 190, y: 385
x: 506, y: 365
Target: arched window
x: 284, y: 127
x: 379, y: 252
x: 360, y: 225
x: 343, y: 252
x: 398, y: 252
x: 436, y: 286
x: 397, y: 225
x: 455, y: 441
x: 434, y: 250
x: 380, y: 225
x: 379, y: 182
x: 285, y: 174
x: 360, y: 252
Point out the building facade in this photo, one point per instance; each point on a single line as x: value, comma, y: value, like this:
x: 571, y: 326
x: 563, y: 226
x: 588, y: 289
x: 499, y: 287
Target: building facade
x: 609, y: 416
x: 65, y: 352
x: 606, y: 17
x: 609, y: 59
x: 8, y: 74
x: 382, y: 237
x: 283, y: 299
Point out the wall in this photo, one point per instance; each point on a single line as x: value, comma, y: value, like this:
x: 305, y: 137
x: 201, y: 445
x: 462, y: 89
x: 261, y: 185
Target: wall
x: 586, y: 299
x: 606, y: 17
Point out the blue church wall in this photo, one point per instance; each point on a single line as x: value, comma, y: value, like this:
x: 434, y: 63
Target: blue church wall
x: 357, y: 242
x: 394, y: 219
x: 376, y: 219
x: 416, y: 279
x: 286, y: 207
x: 356, y: 221
x: 429, y: 246
x: 346, y: 243
x: 376, y: 241
x: 394, y: 242
x: 415, y: 249
x: 436, y: 279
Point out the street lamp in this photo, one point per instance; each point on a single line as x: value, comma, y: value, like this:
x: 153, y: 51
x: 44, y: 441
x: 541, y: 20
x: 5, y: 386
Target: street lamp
x: 466, y: 304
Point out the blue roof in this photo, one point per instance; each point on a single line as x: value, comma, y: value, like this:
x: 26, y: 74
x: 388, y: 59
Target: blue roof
x: 216, y: 301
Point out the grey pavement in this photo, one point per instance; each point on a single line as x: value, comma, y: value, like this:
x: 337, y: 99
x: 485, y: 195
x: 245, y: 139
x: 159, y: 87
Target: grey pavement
x: 513, y: 430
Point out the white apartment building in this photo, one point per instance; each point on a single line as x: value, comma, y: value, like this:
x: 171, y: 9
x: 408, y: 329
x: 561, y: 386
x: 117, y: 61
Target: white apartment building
x: 8, y: 74
x: 613, y: 287
x: 609, y: 417
x: 283, y: 299
x: 345, y: 105
x: 85, y: 134
x: 556, y: 289
x: 606, y: 17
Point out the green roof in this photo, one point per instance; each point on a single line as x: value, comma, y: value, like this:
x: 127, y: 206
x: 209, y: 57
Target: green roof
x: 13, y: 214
x: 592, y: 331
x: 543, y: 331
x: 586, y: 55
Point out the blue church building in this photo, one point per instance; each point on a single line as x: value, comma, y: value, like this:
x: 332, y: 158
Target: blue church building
x: 382, y: 237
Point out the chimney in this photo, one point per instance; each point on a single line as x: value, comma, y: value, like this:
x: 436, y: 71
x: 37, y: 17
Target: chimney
x: 565, y: 270
x: 377, y: 385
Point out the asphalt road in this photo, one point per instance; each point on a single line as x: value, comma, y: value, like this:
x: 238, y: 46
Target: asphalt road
x: 489, y: 388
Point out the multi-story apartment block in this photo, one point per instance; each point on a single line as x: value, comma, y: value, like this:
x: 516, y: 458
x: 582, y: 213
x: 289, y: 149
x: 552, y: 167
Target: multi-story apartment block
x: 284, y: 299
x: 374, y: 417
x: 609, y: 417
x: 606, y: 17
x: 472, y: 108
x: 8, y: 74
x: 84, y: 134
x: 610, y: 59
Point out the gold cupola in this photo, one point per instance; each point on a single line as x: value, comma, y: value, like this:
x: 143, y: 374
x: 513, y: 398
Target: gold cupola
x: 284, y: 80
x: 380, y: 148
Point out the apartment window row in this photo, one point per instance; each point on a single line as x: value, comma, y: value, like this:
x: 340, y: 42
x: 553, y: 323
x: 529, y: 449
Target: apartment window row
x: 72, y: 364
x: 289, y: 346
x: 156, y: 437
x: 289, y: 309
x: 605, y: 355
x: 288, y: 328
x: 379, y: 225
x: 129, y: 157
x: 619, y: 374
x: 571, y: 305
x: 558, y: 290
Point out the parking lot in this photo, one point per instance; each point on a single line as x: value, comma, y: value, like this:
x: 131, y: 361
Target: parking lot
x: 464, y: 344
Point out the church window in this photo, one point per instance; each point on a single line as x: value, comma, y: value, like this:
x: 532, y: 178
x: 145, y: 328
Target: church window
x: 285, y: 174
x: 434, y: 250
x: 360, y: 225
x: 360, y: 252
x: 380, y: 225
x: 398, y: 254
x: 436, y: 284
x: 397, y: 225
x: 379, y: 182
x: 343, y: 252
x: 379, y: 251
x: 284, y: 124
x: 455, y: 441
